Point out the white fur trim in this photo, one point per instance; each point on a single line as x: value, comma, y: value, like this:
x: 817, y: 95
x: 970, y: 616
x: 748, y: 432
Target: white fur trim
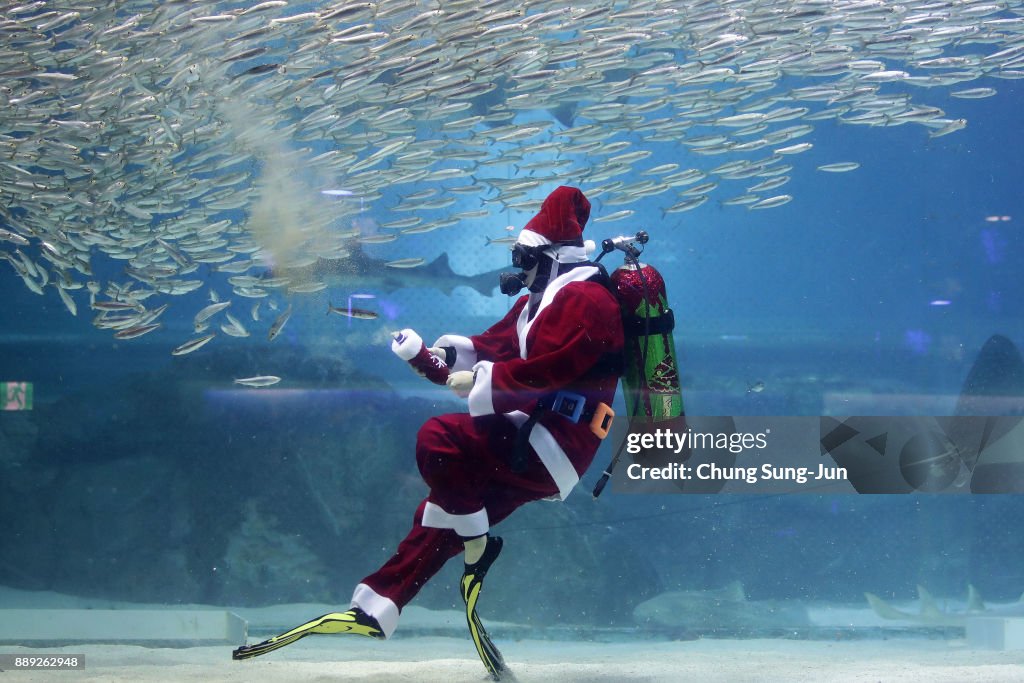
x: 465, y: 353
x: 481, y: 400
x: 467, y: 526
x: 563, y: 253
x: 384, y: 610
x: 567, y: 253
x: 409, y: 346
x: 529, y: 238
x: 555, y: 460
x: 523, y: 325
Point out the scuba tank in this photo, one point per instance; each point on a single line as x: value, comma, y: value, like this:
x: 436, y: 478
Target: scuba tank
x: 651, y: 377
x: 650, y: 380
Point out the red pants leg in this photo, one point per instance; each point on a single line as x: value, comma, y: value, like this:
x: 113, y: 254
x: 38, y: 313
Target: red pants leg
x: 464, y: 460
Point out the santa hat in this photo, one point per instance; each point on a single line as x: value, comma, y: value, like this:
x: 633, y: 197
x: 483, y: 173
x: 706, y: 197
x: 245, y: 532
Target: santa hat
x: 560, y: 222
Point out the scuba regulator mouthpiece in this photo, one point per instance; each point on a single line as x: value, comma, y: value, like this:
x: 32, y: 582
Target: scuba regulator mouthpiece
x: 624, y: 243
x: 525, y: 258
x: 511, y: 283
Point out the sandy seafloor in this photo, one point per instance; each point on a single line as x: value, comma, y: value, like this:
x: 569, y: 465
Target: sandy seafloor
x: 417, y: 656
x: 452, y: 660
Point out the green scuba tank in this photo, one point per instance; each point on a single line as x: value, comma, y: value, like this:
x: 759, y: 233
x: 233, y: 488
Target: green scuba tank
x: 650, y: 379
x: 651, y: 374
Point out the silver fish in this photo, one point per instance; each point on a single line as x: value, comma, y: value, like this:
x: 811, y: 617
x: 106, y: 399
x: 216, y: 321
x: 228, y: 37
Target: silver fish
x: 839, y: 167
x: 192, y: 345
x: 258, y: 381
x: 123, y: 147
x: 406, y: 263
x: 772, y: 202
x: 209, y: 311
x: 138, y: 331
x: 350, y: 312
x: 279, y: 324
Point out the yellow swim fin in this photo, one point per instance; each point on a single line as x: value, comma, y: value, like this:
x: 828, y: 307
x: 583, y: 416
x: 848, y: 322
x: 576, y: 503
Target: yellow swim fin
x: 471, y: 584
x: 353, y: 621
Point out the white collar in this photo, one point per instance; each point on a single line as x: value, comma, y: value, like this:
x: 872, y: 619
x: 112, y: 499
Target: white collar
x: 524, y: 323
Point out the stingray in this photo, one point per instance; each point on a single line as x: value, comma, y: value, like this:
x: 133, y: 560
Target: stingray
x: 931, y: 615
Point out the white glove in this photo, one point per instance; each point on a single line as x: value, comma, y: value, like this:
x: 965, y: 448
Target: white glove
x: 437, y: 351
x: 461, y: 381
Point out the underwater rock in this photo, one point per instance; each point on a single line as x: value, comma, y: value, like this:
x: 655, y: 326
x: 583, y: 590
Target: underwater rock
x: 264, y: 558
x: 108, y: 529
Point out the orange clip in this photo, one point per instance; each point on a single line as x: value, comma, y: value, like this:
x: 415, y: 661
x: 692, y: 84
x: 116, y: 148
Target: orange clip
x: 602, y: 421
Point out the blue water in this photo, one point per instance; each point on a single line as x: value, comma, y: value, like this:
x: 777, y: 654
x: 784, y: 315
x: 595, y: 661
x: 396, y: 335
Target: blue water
x: 834, y: 294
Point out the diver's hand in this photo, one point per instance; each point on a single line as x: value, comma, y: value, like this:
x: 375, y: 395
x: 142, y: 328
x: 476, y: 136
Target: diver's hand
x: 438, y: 351
x: 461, y: 381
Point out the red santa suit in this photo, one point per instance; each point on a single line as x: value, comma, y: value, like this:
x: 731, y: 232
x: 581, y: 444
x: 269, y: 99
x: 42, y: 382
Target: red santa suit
x: 565, y: 346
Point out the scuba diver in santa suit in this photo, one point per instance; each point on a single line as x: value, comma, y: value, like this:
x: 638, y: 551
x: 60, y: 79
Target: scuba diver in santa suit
x: 538, y: 384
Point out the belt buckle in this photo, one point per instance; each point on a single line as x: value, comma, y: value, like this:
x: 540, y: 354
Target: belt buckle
x: 569, y: 405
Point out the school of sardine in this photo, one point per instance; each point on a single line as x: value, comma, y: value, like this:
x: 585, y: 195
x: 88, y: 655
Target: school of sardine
x: 150, y: 149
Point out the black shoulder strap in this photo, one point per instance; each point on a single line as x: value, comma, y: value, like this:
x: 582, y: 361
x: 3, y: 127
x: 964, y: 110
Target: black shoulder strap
x: 602, y: 277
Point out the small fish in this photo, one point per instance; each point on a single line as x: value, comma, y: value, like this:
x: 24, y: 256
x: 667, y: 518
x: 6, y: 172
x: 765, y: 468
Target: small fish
x: 68, y: 301
x: 795, y: 149
x: 402, y: 223
x: 686, y: 205
x: 948, y: 127
x: 258, y: 381
x: 115, y: 306
x: 755, y: 388
x: 378, y: 239
x: 742, y: 199
x: 258, y: 69
x: 307, y: 288
x: 278, y: 325
x: 405, y: 263
x: 618, y: 215
x: 133, y: 332
x: 208, y: 312
x: 233, y: 327
x: 840, y: 167
x: 659, y: 170
x: 349, y: 312
x: 193, y: 344
x: 13, y: 237
x: 769, y: 184
x: 511, y: 239
x: 771, y: 202
x: 973, y: 93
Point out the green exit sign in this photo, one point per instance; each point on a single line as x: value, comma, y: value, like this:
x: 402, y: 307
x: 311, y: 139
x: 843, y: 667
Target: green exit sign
x: 15, y: 395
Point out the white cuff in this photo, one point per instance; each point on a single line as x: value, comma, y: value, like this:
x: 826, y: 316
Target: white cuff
x: 409, y: 346
x: 465, y: 353
x: 377, y: 606
x: 468, y: 526
x: 481, y: 401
